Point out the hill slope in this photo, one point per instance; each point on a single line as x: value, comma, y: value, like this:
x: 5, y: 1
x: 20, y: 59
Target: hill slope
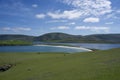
x: 63, y: 37
x: 16, y: 37
x: 56, y: 37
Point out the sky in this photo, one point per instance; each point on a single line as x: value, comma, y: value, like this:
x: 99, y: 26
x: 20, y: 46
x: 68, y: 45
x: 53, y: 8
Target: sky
x: 77, y: 17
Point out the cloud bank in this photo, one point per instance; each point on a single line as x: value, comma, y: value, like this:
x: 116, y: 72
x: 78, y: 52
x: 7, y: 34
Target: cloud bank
x: 16, y: 29
x: 93, y: 28
x: 83, y: 8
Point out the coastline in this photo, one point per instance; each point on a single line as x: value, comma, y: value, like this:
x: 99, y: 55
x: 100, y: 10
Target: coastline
x: 65, y: 47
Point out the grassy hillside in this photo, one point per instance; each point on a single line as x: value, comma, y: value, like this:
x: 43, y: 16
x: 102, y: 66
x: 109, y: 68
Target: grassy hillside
x: 56, y: 37
x: 16, y: 37
x: 14, y: 43
x: 63, y: 37
x: 98, y: 65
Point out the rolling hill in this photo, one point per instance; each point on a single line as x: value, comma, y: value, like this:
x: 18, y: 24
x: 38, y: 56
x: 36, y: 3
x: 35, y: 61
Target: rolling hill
x: 63, y: 37
x: 96, y: 38
x: 16, y: 37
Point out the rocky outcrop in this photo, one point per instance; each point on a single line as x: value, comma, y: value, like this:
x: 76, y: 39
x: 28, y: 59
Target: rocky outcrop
x: 5, y: 67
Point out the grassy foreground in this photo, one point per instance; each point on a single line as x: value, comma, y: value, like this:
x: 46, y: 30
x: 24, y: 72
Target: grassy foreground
x: 97, y: 65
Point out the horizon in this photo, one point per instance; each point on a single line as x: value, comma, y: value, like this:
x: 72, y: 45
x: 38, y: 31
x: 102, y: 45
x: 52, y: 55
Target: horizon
x: 76, y: 17
x: 62, y: 33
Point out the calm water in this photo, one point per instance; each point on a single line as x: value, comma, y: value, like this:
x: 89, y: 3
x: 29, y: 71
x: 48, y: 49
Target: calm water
x: 37, y: 49
x: 57, y: 49
x: 96, y: 46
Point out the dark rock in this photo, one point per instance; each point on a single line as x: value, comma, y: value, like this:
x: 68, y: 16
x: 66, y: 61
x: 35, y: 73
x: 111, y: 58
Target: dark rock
x: 5, y: 67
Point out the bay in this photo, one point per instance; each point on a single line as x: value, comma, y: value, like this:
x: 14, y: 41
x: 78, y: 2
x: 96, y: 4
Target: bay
x: 96, y: 45
x: 59, y: 49
x: 39, y: 49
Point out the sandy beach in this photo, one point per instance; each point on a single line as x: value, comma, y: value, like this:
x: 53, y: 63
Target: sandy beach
x: 65, y: 47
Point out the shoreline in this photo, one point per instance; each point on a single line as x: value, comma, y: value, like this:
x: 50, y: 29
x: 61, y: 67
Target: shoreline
x: 65, y: 47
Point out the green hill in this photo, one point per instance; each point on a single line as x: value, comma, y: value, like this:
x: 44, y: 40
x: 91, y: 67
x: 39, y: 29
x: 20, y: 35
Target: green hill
x: 63, y: 37
x: 56, y: 37
x: 16, y: 37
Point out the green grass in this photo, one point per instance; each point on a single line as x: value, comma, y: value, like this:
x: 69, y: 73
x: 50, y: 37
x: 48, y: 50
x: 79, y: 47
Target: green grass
x: 14, y: 43
x: 97, y: 65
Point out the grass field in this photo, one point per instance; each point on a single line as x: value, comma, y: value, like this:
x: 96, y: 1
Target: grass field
x: 14, y: 43
x: 97, y: 65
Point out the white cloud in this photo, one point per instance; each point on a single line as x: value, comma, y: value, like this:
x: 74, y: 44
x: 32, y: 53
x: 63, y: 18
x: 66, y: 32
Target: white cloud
x: 60, y: 28
x: 93, y: 28
x: 6, y: 28
x: 109, y: 23
x: 71, y: 14
x: 114, y: 15
x: 91, y: 19
x: 95, y: 7
x: 35, y: 5
x: 16, y: 29
x: 83, y: 8
x: 63, y: 27
x: 22, y: 29
x: 56, y: 21
x: 81, y: 27
x: 40, y: 16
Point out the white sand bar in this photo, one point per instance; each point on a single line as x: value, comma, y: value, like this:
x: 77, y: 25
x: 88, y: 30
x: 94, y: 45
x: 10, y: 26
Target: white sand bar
x: 66, y: 47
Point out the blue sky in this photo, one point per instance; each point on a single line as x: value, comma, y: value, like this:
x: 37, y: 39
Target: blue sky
x: 79, y: 17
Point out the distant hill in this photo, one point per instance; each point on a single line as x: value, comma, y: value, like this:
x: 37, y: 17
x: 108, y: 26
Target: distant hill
x: 110, y: 38
x: 63, y: 37
x: 57, y: 37
x: 96, y: 38
x: 16, y: 37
